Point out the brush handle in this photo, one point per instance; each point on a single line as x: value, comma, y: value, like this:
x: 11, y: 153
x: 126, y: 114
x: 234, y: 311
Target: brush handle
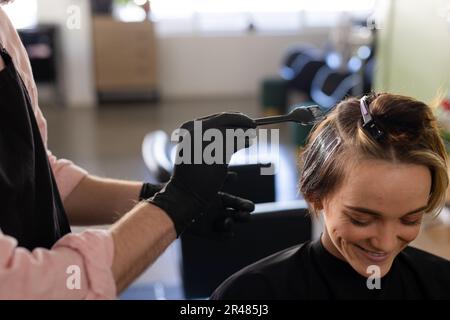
x: 270, y: 120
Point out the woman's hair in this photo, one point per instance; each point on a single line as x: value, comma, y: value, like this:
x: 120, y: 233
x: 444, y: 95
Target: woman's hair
x: 5, y: 1
x: 339, y: 142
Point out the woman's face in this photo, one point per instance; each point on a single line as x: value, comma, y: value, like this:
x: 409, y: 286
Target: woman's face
x: 376, y: 213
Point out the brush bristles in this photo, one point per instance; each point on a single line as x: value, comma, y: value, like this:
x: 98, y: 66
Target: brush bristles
x: 316, y: 112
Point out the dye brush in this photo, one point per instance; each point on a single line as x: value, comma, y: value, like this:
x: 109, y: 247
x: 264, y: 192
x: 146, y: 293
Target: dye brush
x: 303, y: 115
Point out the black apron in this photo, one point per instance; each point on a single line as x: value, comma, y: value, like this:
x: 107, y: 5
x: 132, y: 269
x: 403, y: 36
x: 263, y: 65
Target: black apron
x: 31, y: 209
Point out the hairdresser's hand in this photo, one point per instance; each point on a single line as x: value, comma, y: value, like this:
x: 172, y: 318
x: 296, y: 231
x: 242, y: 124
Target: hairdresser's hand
x: 218, y: 220
x: 201, y: 166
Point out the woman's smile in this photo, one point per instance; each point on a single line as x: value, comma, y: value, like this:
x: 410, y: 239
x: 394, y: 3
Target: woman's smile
x: 372, y: 256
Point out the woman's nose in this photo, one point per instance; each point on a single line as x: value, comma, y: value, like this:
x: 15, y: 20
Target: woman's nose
x: 386, y: 238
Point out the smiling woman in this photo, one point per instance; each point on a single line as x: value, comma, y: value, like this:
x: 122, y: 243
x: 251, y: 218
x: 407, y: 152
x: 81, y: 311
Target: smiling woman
x: 376, y: 213
x: 372, y: 169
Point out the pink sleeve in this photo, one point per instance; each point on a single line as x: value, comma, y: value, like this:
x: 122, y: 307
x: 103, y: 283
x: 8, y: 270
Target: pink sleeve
x: 51, y: 274
x: 66, y: 173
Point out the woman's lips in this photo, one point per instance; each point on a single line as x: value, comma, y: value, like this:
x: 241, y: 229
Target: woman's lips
x: 372, y: 255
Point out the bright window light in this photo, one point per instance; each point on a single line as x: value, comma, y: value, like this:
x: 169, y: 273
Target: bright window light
x: 164, y: 8
x: 22, y: 13
x: 263, y: 15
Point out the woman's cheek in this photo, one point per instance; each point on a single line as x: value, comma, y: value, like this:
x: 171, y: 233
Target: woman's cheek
x: 409, y: 233
x: 350, y: 233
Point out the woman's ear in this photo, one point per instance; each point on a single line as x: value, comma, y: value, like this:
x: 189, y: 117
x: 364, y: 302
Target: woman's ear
x: 317, y: 205
x: 314, y: 203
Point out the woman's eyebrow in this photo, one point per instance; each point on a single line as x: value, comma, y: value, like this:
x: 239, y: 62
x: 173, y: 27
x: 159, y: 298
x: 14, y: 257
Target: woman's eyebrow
x: 379, y: 214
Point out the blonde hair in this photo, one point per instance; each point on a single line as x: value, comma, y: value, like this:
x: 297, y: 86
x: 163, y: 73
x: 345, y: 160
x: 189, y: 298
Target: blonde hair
x: 337, y: 143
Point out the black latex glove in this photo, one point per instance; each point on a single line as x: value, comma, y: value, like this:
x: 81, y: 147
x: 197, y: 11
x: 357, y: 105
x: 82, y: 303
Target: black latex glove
x: 219, y: 218
x: 148, y: 190
x: 192, y: 186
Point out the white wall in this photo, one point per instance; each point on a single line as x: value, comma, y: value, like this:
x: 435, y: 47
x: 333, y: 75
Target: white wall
x: 223, y: 66
x: 76, y: 49
x: 188, y: 66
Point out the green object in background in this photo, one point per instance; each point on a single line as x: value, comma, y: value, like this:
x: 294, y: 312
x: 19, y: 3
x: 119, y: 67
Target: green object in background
x: 299, y: 132
x: 274, y: 96
x: 419, y: 65
x: 446, y: 138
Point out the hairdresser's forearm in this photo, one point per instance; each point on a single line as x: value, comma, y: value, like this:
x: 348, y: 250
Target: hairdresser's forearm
x: 139, y: 238
x: 98, y: 201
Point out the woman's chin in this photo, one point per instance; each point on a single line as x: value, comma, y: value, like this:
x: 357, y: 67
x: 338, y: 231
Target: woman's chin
x: 371, y: 270
x: 367, y: 264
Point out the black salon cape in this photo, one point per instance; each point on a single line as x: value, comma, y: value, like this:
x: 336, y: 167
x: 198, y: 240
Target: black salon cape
x: 309, y: 271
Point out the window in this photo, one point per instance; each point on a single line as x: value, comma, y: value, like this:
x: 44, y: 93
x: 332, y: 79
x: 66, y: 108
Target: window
x: 23, y: 13
x: 262, y: 15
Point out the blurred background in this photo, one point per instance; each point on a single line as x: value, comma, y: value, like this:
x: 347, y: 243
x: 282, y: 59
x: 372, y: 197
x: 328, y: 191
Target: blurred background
x: 116, y: 77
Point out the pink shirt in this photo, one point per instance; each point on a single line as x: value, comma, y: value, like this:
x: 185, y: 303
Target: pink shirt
x: 49, y: 274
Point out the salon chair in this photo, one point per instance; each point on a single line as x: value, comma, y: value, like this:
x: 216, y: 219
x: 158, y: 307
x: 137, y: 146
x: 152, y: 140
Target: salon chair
x: 369, y: 74
x: 273, y: 227
x: 306, y: 70
x: 330, y: 86
x: 286, y: 70
x: 302, y: 71
x: 300, y: 67
x: 337, y: 79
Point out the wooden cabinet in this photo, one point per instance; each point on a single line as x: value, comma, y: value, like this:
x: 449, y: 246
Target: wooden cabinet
x: 125, y: 60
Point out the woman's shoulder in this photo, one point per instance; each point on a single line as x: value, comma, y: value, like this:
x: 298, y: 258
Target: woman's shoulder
x: 264, y: 279
x: 426, y: 259
x: 433, y: 270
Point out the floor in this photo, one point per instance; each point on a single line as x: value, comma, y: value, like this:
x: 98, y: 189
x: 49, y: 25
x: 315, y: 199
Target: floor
x: 107, y: 140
